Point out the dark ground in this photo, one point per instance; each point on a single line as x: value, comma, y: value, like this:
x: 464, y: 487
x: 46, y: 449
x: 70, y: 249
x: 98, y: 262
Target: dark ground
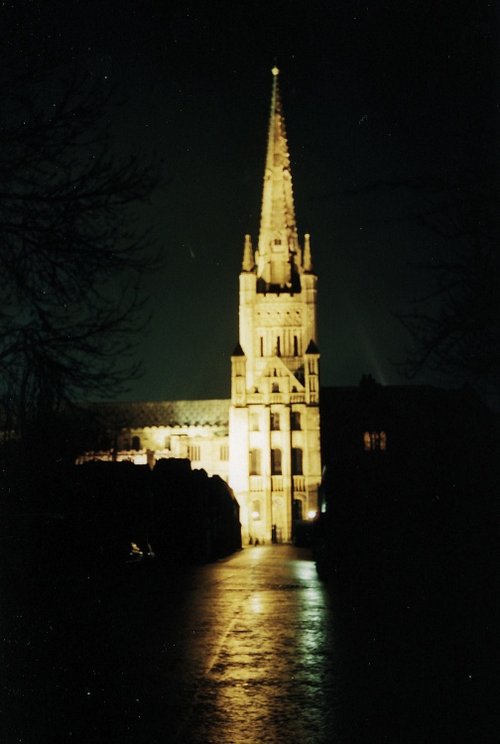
x: 252, y: 648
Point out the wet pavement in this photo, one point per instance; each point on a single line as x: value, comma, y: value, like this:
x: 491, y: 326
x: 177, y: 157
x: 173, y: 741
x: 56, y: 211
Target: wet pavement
x: 262, y: 650
x: 237, y: 651
x: 253, y: 648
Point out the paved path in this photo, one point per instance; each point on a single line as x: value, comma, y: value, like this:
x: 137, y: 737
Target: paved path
x: 258, y: 651
x: 232, y: 652
x: 253, y: 649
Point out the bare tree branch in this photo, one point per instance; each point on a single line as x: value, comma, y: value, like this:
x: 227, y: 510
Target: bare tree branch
x: 72, y: 252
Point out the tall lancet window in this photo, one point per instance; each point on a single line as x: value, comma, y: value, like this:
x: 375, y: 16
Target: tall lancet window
x: 255, y: 462
x: 276, y: 467
x: 297, y: 461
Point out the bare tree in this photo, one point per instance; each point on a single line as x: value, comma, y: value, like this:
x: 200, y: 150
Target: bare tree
x: 71, y: 251
x: 455, y: 327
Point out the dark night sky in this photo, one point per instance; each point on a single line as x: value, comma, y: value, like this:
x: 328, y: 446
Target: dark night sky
x: 374, y: 92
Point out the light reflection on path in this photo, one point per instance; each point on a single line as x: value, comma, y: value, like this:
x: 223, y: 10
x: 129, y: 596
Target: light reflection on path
x: 258, y: 655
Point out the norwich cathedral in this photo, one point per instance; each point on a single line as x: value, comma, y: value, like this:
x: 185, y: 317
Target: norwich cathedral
x: 265, y: 440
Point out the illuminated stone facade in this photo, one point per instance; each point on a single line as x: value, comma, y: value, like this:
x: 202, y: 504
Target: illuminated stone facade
x: 148, y: 431
x: 274, y: 422
x: 265, y: 441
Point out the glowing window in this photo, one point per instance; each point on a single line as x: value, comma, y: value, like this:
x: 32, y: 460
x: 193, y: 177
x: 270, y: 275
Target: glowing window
x: 255, y: 512
x: 374, y: 440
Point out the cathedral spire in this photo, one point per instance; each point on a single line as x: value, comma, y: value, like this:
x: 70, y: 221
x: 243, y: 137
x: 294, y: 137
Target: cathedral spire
x: 278, y: 251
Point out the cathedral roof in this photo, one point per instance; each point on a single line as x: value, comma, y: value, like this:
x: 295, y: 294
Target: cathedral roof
x: 136, y: 415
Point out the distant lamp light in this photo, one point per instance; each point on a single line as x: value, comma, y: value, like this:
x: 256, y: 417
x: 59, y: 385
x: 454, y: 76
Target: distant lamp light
x: 275, y: 71
x: 311, y: 514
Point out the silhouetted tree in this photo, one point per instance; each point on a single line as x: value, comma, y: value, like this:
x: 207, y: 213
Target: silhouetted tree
x: 71, y: 251
x: 455, y: 327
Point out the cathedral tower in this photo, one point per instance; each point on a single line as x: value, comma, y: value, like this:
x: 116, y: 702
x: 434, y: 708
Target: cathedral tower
x: 274, y: 425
